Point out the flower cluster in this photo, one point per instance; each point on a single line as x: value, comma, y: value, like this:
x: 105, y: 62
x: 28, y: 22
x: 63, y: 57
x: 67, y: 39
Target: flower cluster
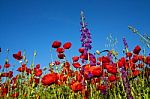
x: 85, y: 34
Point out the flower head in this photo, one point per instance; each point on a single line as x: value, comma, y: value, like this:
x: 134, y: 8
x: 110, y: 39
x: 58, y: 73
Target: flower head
x: 137, y: 49
x: 49, y: 79
x: 67, y: 45
x: 56, y: 44
x: 18, y: 56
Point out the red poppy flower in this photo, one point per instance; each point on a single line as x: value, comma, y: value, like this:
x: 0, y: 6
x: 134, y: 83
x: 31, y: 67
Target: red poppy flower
x: 18, y: 56
x: 61, y: 56
x: 81, y: 50
x: 56, y: 44
x: 86, y: 67
x: 49, y: 79
x: 135, y: 58
x: 75, y: 58
x: 108, y: 66
x: 120, y: 64
x: 7, y: 74
x: 76, y: 64
x: 67, y: 45
x: 4, y: 91
x: 129, y: 54
x: 112, y: 78
x: 101, y: 87
x: 132, y: 65
x: 57, y: 62
x: 105, y: 59
x: 77, y: 86
x: 7, y: 65
x: 4, y: 74
x: 95, y: 71
x: 79, y: 77
x: 137, y: 49
x: 60, y: 50
x: 38, y: 72
x: 0, y: 66
x: 135, y: 72
x: 123, y: 60
x: 22, y: 68
x: 111, y: 69
x: 62, y: 77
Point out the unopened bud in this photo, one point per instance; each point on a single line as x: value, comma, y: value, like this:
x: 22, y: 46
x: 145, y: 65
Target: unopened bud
x: 97, y: 52
x: 35, y: 53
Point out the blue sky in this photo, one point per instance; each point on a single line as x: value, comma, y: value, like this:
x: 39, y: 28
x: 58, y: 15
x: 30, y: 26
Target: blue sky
x: 34, y: 24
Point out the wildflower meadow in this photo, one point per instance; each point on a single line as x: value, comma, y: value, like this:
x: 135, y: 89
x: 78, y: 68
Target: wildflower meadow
x: 91, y: 75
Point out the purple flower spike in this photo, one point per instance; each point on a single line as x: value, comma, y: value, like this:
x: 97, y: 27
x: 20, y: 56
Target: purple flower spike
x: 125, y: 43
x: 85, y: 34
x: 126, y: 83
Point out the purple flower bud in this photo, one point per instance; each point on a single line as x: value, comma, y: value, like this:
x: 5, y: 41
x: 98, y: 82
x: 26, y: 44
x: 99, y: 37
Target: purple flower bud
x: 85, y: 30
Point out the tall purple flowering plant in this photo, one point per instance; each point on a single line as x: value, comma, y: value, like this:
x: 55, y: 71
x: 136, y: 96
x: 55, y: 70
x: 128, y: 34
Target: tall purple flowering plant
x: 85, y: 34
x: 125, y: 80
